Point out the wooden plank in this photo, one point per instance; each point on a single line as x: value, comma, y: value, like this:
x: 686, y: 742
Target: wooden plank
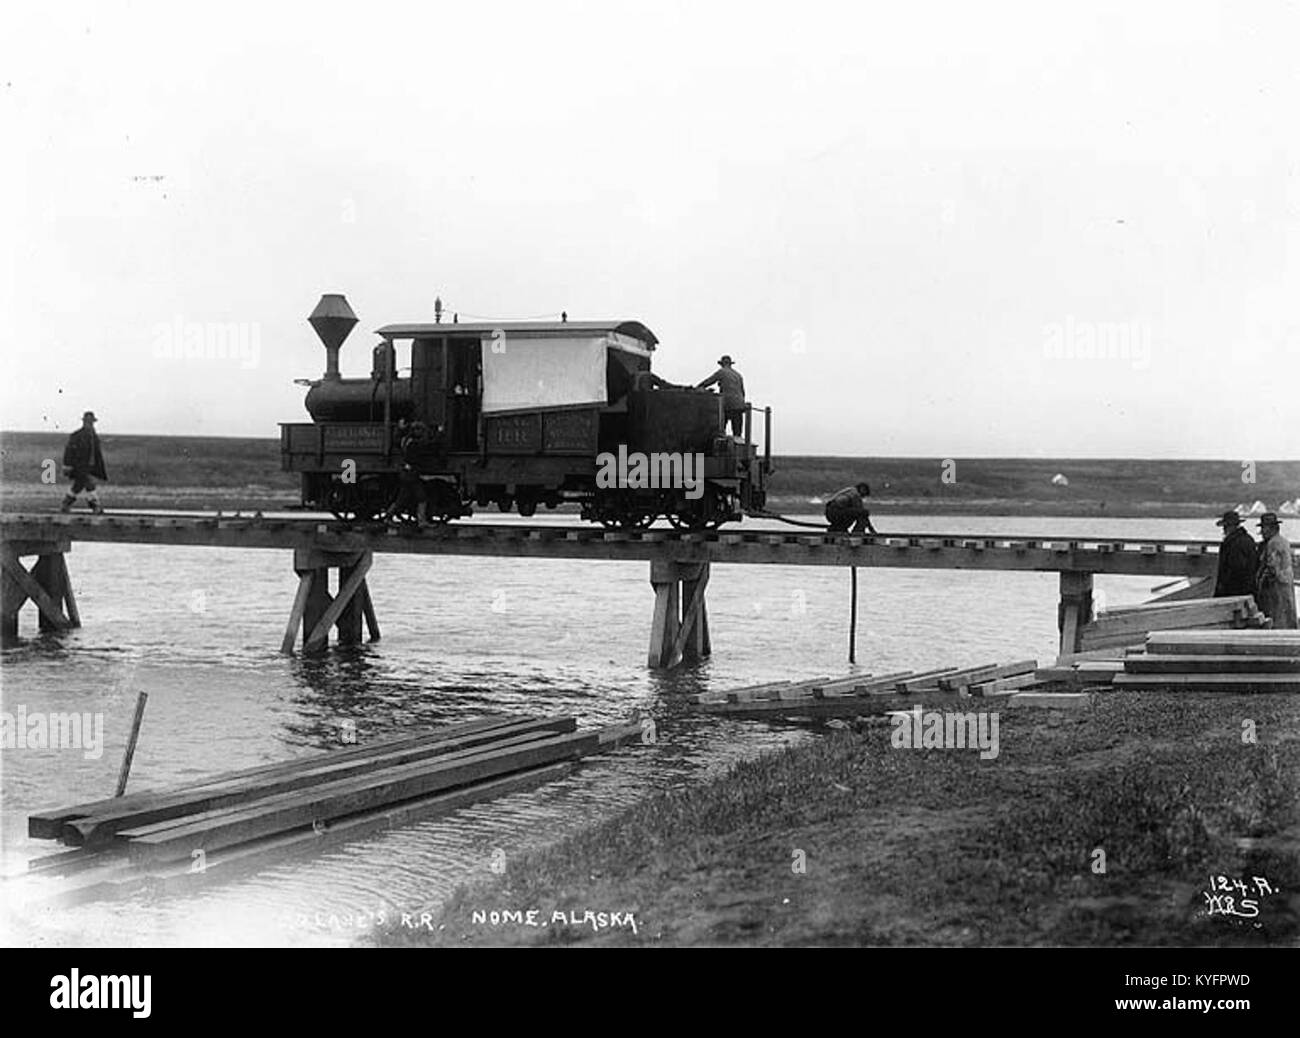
x: 722, y: 696
x: 953, y: 682
x: 46, y: 825
x: 100, y: 827
x: 1186, y: 663
x: 1202, y: 588
x: 990, y: 688
x: 1163, y: 607
x: 1211, y: 682
x: 1090, y: 654
x: 881, y: 683
x: 840, y: 706
x: 924, y: 681
x: 827, y: 686
x: 224, y: 828
x: 1218, y: 643
x: 1162, y: 620
x: 225, y: 863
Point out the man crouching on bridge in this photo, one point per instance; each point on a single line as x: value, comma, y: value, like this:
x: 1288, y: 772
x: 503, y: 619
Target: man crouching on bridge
x: 846, y: 509
x: 83, y: 463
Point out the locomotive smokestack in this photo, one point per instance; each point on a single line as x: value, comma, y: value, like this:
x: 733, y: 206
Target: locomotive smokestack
x: 333, y: 319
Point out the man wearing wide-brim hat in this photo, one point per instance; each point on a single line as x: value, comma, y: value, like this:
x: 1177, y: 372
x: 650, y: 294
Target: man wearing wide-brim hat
x: 1276, y: 576
x: 733, y: 394
x: 1238, y: 558
x: 83, y: 463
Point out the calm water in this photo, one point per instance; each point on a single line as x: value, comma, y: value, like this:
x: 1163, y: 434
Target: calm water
x: 199, y: 630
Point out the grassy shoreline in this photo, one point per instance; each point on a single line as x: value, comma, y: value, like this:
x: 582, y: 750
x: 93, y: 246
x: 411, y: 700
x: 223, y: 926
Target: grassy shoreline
x: 916, y: 847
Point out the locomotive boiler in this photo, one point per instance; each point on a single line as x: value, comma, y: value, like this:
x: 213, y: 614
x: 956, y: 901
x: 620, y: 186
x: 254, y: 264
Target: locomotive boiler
x: 521, y: 415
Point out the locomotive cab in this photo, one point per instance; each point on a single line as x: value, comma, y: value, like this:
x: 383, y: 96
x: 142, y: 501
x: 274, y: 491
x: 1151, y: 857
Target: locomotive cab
x: 518, y: 414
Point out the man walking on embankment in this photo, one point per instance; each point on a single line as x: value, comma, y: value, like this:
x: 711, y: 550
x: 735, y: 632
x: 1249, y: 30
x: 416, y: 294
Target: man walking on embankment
x: 83, y: 463
x: 1276, y: 576
x: 1238, y: 559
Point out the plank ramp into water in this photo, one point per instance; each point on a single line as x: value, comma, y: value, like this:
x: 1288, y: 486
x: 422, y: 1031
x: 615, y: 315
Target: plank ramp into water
x: 222, y: 828
x: 99, y: 827
x: 47, y: 825
x: 99, y: 875
x: 859, y: 695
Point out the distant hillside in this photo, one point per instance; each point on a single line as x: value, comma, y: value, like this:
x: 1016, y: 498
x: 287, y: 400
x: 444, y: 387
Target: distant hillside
x: 1025, y: 485
x: 232, y: 472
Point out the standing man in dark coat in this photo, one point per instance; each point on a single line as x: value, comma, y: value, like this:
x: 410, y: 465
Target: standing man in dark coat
x: 1238, y: 559
x: 83, y: 463
x: 733, y: 394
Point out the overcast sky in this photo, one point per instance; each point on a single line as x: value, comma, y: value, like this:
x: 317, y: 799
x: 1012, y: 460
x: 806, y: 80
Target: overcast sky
x: 910, y: 224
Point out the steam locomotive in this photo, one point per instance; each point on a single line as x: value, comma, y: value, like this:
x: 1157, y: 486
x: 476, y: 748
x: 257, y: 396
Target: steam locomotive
x: 520, y: 415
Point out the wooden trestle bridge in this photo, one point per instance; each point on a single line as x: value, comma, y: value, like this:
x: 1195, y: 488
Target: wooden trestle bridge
x: 680, y: 563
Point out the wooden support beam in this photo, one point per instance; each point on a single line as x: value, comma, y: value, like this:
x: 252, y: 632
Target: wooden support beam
x: 29, y: 586
x: 46, y: 573
x: 69, y: 599
x: 299, y: 609
x: 1075, y: 609
x: 665, y: 578
x: 368, y: 610
x: 349, y: 621
x: 319, y: 636
x: 690, y: 639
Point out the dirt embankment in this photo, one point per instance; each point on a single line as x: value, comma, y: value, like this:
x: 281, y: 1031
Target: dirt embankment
x: 1098, y: 826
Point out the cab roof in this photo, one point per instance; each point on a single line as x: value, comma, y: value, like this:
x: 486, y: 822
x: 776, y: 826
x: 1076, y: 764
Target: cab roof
x: 538, y: 329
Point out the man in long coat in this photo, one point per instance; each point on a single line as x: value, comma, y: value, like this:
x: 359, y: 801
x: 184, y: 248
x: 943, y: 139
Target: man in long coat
x: 1238, y: 559
x: 83, y: 463
x: 1276, y: 575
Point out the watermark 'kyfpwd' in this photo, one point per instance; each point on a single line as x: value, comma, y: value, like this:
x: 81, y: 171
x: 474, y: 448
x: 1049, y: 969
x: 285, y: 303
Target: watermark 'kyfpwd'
x: 42, y: 731
x: 208, y: 340
x: 934, y: 730
x: 637, y: 471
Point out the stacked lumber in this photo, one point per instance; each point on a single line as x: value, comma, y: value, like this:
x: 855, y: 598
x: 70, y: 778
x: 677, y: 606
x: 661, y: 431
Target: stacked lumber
x: 444, y: 768
x: 1129, y: 625
x: 1215, y: 661
x: 1085, y: 669
x: 864, y: 694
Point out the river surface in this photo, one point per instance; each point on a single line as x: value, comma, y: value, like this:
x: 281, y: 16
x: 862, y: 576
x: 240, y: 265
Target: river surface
x: 199, y: 630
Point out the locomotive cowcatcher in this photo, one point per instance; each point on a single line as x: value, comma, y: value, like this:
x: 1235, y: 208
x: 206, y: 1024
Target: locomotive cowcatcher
x: 517, y: 414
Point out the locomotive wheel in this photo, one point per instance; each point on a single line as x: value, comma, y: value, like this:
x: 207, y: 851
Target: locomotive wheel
x: 627, y: 522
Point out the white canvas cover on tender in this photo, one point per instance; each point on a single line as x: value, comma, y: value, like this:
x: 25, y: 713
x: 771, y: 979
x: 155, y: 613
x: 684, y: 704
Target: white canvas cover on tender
x: 524, y: 374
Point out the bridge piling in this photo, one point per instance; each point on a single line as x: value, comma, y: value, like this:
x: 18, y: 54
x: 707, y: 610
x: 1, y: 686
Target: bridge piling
x: 315, y: 610
x: 47, y: 585
x: 1075, y: 609
x: 680, y: 628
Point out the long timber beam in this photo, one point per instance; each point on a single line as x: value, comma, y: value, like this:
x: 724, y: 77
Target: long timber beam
x: 1140, y: 557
